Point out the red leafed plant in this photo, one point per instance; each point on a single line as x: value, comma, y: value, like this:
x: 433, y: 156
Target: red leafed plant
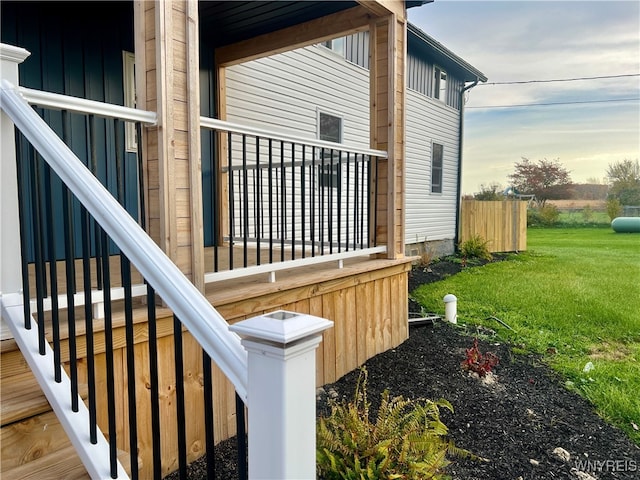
x: 478, y: 362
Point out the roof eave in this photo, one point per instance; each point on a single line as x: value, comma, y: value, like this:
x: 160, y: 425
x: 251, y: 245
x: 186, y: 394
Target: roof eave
x: 472, y: 73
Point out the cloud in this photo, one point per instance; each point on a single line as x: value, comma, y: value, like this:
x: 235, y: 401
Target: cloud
x: 541, y: 40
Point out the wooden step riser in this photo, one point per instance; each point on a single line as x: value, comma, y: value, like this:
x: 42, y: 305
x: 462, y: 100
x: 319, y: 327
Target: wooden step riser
x: 63, y: 463
x: 28, y: 440
x: 21, y: 398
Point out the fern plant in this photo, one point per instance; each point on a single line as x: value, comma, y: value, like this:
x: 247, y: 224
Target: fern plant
x: 407, y: 439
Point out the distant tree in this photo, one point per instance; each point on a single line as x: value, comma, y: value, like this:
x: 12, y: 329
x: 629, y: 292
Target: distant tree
x: 590, y: 191
x: 594, y: 181
x: 493, y: 191
x: 546, y: 179
x: 624, y: 181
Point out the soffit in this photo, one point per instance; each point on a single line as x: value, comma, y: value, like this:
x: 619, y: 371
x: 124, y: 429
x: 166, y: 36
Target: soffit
x: 227, y: 22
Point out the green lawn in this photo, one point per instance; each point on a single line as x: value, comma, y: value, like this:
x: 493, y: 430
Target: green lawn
x: 575, y: 292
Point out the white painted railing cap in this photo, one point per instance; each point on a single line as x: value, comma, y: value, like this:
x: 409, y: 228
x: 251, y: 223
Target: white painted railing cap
x: 282, y: 327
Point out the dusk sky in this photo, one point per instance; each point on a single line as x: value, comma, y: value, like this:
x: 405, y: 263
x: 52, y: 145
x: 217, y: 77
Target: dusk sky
x: 523, y: 41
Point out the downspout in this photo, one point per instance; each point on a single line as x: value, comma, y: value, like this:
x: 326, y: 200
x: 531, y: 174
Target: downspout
x: 456, y: 239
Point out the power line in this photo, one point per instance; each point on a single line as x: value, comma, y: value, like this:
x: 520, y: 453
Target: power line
x: 558, y: 103
x: 559, y: 80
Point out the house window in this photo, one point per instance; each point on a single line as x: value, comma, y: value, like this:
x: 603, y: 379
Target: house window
x: 129, y: 85
x: 440, y: 84
x: 436, y: 168
x: 335, y: 44
x: 330, y: 130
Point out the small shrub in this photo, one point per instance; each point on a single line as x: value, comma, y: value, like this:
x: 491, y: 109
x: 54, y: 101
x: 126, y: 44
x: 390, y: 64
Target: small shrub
x: 475, y: 247
x: 614, y: 208
x: 407, y: 440
x: 587, y: 214
x: 478, y: 362
x: 546, y: 216
x: 426, y: 258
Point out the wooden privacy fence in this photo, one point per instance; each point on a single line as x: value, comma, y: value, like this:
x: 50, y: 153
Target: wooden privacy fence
x: 502, y: 223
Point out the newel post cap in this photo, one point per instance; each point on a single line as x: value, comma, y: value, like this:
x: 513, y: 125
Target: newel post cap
x: 281, y: 327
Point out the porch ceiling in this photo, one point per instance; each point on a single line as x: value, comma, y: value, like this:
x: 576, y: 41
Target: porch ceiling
x: 227, y: 22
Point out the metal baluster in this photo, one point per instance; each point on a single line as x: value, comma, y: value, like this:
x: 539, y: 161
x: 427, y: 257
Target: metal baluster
x: 53, y: 274
x: 154, y: 382
x: 241, y: 437
x: 293, y: 201
x: 270, y: 201
x: 207, y: 374
x: 283, y: 202
x: 303, y: 201
x: 69, y: 248
x: 22, y: 215
x: 88, y: 316
x: 231, y: 201
x: 313, y: 186
x: 40, y: 267
x: 245, y: 204
x: 108, y: 334
x: 180, y: 402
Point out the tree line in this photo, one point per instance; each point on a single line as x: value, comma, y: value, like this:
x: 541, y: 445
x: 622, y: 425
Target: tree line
x: 550, y: 180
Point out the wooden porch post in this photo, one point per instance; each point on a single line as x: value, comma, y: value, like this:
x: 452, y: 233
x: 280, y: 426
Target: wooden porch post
x: 387, y: 95
x: 167, y: 55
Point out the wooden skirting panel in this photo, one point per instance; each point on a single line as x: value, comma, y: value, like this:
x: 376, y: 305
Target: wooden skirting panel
x: 366, y: 300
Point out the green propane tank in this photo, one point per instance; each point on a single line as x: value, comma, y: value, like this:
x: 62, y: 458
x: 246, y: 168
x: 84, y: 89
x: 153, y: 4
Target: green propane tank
x: 626, y: 224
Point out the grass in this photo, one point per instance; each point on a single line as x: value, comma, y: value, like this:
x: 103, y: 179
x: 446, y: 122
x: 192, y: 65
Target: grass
x: 574, y: 297
x: 580, y: 218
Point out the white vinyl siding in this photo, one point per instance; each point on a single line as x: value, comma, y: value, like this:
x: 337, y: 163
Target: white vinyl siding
x: 283, y: 92
x: 430, y: 216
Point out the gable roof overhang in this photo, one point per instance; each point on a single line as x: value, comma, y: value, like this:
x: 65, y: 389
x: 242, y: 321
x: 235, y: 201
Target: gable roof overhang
x: 421, y: 44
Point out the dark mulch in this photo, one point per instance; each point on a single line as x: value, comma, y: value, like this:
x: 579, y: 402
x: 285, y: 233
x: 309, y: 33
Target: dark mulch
x: 516, y: 423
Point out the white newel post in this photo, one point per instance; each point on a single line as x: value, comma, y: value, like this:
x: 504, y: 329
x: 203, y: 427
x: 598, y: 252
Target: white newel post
x: 10, y: 256
x: 281, y: 393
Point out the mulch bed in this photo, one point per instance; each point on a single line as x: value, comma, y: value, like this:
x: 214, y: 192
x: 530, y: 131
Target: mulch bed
x: 516, y: 422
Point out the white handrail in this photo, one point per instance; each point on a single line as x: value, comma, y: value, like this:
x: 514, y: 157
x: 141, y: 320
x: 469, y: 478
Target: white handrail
x: 215, y: 124
x: 82, y: 105
x: 182, y: 297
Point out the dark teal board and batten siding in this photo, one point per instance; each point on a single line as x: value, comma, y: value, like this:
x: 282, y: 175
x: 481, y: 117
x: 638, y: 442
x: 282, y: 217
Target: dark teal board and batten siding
x: 76, y: 49
x: 420, y: 69
x: 421, y: 75
x: 208, y: 144
x: 357, y: 49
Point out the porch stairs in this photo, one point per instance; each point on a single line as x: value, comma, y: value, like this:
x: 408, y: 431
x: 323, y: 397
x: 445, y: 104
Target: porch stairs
x: 41, y: 437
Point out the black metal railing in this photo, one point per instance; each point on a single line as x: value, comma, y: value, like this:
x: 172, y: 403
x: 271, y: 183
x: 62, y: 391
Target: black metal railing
x: 284, y: 200
x: 66, y: 253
